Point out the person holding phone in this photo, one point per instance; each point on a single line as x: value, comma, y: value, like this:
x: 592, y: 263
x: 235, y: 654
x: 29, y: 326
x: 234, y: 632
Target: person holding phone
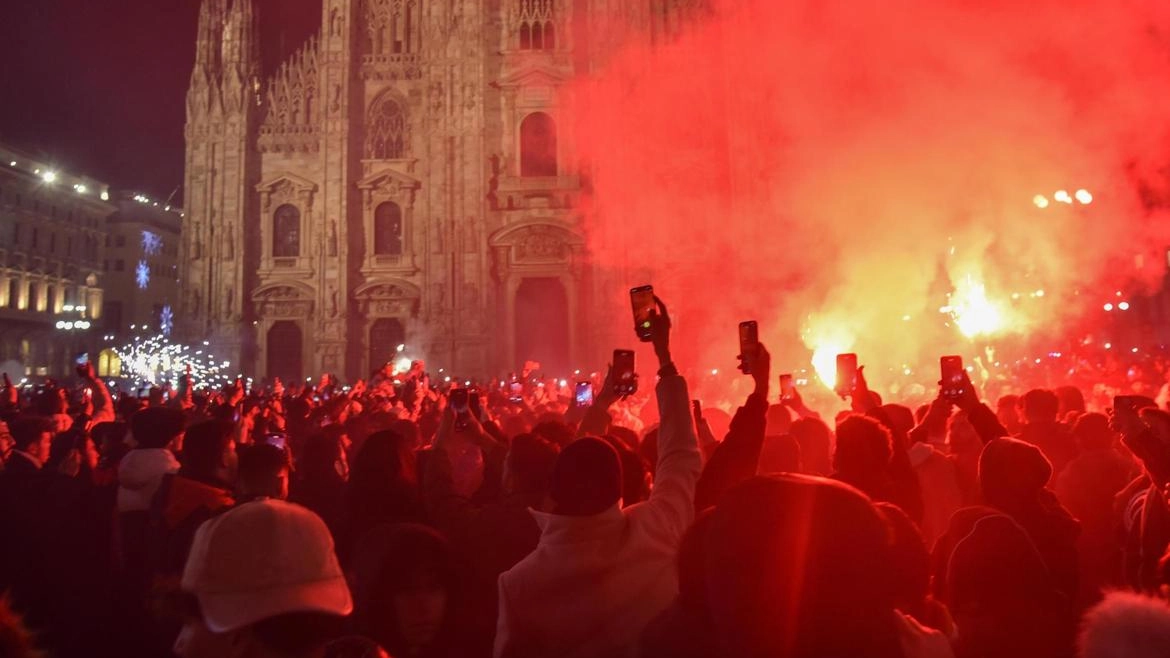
x: 619, y: 563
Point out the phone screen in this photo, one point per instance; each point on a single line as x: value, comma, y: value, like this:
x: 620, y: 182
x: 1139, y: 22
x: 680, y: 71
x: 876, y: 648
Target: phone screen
x: 277, y: 440
x: 516, y: 392
x: 846, y: 374
x: 624, y: 380
x: 787, y: 388
x: 584, y: 394
x: 459, y: 400
x: 473, y: 403
x: 749, y: 340
x: 82, y: 359
x: 642, y: 302
x: 953, y: 382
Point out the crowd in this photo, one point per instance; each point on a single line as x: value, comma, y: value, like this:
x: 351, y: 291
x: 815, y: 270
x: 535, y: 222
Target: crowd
x: 402, y: 518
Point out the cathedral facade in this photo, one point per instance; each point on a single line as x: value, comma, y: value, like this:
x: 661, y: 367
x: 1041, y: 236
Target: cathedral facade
x: 407, y: 177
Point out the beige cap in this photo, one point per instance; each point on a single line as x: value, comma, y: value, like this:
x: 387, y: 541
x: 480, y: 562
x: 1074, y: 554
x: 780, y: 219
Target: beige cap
x: 262, y: 559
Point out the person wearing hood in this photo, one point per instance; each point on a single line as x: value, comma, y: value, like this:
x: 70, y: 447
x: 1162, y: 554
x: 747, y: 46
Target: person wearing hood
x: 601, y: 572
x: 1012, y: 477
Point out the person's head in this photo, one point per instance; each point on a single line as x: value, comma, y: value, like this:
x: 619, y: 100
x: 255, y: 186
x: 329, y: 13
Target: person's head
x: 32, y: 435
x: 157, y: 427
x: 778, y: 420
x: 779, y: 454
x: 587, y: 478
x: 263, y: 472
x: 109, y: 437
x: 1039, y: 406
x: 1126, y: 624
x: 209, y: 453
x: 901, y: 416
x: 528, y: 468
x: 1012, y: 472
x: 816, y: 445
x: 554, y: 430
x: 1007, y: 410
x: 1071, y: 400
x: 323, y: 461
x: 262, y: 580
x: 789, y: 565
x: 386, y: 457
x: 404, y: 577
x: 864, y: 447
x: 962, y: 439
x: 6, y: 441
x: 635, y: 477
x: 408, y: 430
x: 1091, y: 432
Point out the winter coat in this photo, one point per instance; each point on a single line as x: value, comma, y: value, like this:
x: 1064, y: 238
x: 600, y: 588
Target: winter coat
x: 139, y: 476
x: 594, y: 583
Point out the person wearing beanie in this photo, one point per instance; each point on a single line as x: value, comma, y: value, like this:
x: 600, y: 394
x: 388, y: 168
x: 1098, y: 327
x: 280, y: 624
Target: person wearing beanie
x: 1013, y: 477
x: 602, y: 572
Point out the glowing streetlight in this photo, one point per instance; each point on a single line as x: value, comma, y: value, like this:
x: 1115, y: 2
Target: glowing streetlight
x: 1040, y: 200
x: 49, y: 176
x: 1084, y: 197
x: 1063, y: 196
x: 1108, y: 307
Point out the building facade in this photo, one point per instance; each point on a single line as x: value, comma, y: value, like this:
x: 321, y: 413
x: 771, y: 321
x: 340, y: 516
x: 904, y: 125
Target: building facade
x: 141, y: 266
x: 407, y: 177
x: 52, y: 237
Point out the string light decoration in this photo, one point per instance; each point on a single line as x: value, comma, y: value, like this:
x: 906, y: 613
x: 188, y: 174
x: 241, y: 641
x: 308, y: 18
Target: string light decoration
x: 151, y: 243
x: 155, y: 360
x: 142, y: 275
x: 166, y: 320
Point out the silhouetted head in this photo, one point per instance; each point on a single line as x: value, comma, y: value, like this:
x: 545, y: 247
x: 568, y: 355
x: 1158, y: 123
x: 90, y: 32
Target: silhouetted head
x: 1091, y: 432
x: 863, y: 446
x: 1040, y: 406
x: 587, y: 478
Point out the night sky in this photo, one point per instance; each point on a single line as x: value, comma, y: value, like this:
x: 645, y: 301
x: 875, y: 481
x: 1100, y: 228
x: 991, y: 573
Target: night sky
x: 99, y: 88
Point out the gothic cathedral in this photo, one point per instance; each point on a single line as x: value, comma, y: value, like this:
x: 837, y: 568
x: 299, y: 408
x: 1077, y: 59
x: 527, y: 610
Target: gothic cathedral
x: 407, y: 177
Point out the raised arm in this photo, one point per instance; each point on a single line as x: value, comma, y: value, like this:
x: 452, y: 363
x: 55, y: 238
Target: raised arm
x: 738, y: 457
x: 672, y: 501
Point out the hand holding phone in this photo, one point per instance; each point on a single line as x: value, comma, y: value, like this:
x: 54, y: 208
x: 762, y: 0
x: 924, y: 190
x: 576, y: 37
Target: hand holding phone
x: 846, y: 383
x: 460, y: 404
x: 583, y: 396
x: 697, y: 409
x: 952, y: 382
x: 643, y: 304
x: 624, y: 377
x: 749, y: 345
x: 787, y: 388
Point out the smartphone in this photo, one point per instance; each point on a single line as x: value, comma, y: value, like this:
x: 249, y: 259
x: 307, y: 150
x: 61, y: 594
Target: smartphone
x: 697, y: 409
x: 846, y: 374
x: 642, y: 302
x: 82, y: 359
x: 473, y: 403
x: 278, y: 440
x: 1126, y: 404
x: 953, y: 381
x: 787, y: 388
x: 749, y: 343
x: 516, y: 392
x: 625, y: 380
x: 584, y: 394
x: 459, y: 400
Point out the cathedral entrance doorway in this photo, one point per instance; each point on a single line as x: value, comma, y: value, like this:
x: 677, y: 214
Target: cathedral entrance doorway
x: 542, y: 324
x: 386, y: 334
x: 285, y: 351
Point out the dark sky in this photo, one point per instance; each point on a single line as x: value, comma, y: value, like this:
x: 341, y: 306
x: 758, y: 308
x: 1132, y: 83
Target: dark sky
x: 98, y: 87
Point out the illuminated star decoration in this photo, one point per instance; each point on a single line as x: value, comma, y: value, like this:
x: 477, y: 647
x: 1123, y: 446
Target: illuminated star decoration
x: 142, y: 275
x: 151, y: 243
x: 166, y: 320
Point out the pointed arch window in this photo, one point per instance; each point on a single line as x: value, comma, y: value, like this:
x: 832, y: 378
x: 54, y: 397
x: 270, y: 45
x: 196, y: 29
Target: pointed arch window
x: 536, y: 29
x: 286, y: 232
x: 388, y: 229
x: 386, y: 131
x: 538, y: 145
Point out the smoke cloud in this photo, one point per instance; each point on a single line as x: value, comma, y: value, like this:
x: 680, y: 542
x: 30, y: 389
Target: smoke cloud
x: 835, y: 170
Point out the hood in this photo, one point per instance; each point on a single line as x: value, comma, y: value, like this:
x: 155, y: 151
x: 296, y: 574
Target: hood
x: 143, y: 468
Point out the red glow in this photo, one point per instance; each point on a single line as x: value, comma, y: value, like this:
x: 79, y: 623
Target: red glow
x: 832, y: 169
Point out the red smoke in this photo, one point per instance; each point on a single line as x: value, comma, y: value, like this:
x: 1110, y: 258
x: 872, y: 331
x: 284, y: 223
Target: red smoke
x: 831, y: 169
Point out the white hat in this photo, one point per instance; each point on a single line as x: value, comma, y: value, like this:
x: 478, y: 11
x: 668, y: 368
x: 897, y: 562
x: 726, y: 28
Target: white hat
x: 262, y: 559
